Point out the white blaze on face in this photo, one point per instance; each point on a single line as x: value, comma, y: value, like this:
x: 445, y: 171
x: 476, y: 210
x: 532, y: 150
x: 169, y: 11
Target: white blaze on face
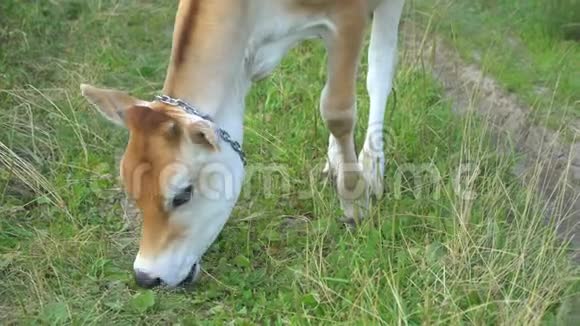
x: 215, y: 188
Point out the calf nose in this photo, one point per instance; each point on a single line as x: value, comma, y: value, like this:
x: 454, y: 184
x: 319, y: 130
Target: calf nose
x: 146, y: 281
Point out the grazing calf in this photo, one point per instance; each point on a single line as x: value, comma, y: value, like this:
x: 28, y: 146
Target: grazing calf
x: 183, y: 163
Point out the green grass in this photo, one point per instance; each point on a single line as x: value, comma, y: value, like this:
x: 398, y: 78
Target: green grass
x: 530, y: 47
x: 422, y: 257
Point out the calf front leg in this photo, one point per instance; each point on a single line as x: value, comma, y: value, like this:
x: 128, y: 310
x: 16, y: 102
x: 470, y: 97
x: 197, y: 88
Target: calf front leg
x: 338, y: 109
x: 382, y: 59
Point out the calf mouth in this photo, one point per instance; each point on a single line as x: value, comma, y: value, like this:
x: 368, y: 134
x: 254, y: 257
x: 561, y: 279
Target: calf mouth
x: 192, y: 276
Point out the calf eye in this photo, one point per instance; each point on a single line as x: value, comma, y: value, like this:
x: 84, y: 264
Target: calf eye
x: 183, y: 197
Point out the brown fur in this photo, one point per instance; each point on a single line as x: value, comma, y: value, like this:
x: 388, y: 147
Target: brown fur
x: 153, y: 144
x: 203, y: 41
x: 155, y: 137
x: 186, y: 30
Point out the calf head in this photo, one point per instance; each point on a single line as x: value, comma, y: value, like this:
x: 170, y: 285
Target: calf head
x: 175, y: 171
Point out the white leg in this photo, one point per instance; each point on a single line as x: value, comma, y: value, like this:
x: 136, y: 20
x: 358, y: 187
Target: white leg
x: 331, y: 156
x: 382, y: 61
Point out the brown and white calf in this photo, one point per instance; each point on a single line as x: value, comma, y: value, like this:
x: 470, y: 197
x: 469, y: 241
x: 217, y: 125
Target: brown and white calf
x: 184, y: 177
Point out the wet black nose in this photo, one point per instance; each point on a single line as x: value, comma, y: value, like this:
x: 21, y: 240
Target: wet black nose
x: 146, y: 281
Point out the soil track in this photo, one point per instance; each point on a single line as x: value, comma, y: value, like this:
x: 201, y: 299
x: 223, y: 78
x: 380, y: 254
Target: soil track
x: 542, y: 151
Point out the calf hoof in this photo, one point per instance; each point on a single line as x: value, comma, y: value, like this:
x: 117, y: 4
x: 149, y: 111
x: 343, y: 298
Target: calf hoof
x: 373, y: 171
x: 349, y: 223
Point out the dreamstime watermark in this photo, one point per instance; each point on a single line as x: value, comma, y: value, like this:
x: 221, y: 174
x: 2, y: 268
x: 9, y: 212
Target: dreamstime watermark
x: 216, y: 181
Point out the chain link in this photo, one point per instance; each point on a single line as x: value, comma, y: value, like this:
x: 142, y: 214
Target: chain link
x: 188, y: 108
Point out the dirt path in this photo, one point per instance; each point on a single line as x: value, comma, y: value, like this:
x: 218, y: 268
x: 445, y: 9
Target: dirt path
x: 543, y: 152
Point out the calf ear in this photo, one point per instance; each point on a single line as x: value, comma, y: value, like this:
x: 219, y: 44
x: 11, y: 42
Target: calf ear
x: 111, y: 103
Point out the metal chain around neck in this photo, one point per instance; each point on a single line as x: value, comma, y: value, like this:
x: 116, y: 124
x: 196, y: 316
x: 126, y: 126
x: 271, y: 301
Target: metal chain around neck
x: 188, y: 108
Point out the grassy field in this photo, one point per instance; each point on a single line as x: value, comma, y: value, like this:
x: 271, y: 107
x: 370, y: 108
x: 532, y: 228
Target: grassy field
x: 531, y: 47
x: 427, y: 254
